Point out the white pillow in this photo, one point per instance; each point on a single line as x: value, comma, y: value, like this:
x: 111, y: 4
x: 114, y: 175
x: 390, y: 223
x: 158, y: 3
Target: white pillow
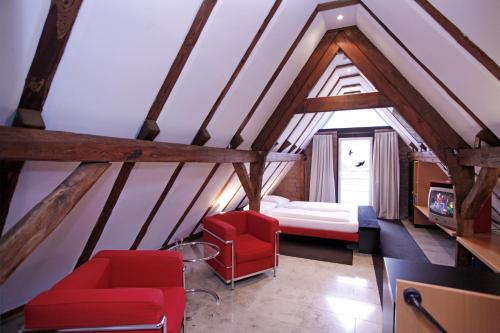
x: 276, y: 199
x: 265, y: 206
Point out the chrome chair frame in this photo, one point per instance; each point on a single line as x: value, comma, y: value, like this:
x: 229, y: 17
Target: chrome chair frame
x: 231, y: 242
x: 161, y: 325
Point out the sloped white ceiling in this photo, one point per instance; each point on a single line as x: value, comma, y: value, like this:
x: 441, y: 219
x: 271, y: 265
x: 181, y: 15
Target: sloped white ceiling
x: 116, y: 59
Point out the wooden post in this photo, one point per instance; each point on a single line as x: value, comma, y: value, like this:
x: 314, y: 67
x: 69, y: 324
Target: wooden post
x: 20, y: 241
x: 256, y: 173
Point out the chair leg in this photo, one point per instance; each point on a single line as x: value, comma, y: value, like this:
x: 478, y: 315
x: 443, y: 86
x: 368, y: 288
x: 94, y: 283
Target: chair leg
x: 232, y: 265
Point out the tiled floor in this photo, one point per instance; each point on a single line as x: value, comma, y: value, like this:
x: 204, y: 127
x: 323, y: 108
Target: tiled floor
x: 306, y: 296
x: 437, y: 246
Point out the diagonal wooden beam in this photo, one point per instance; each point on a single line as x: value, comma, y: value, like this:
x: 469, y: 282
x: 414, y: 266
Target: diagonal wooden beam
x: 344, y: 102
x: 480, y: 192
x: 150, y: 129
x: 305, y: 80
x: 203, y: 136
x: 461, y: 38
x: 182, y: 57
x: 20, y: 241
x: 405, y: 98
x: 244, y: 178
x: 56, y: 30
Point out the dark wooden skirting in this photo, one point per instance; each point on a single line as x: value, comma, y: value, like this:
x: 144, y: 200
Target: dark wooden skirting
x: 159, y: 202
x: 7, y: 315
x: 426, y: 69
x: 461, y: 38
x: 187, y: 47
x: 242, y: 63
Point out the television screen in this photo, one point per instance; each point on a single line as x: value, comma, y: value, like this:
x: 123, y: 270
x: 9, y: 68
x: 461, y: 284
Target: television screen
x: 442, y: 203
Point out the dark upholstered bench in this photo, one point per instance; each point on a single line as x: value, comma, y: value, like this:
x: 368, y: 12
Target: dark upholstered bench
x: 369, y: 230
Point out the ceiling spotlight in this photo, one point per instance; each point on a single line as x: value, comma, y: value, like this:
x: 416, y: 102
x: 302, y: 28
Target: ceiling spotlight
x: 349, y: 70
x: 340, y: 17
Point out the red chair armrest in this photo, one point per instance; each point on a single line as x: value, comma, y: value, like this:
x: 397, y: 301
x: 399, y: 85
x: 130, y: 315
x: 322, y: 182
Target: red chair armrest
x: 223, y: 230
x: 144, y: 269
x: 94, y: 307
x: 262, y: 226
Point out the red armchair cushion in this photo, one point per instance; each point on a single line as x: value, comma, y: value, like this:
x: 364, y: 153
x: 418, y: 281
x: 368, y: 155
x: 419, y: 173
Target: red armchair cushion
x: 248, y: 248
x: 91, y: 275
x: 97, y: 307
x: 236, y: 219
x: 145, y: 269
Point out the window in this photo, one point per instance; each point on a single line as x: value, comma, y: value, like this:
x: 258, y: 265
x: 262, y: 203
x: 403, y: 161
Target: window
x: 355, y: 170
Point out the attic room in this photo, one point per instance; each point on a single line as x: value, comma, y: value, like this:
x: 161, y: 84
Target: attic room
x: 249, y: 166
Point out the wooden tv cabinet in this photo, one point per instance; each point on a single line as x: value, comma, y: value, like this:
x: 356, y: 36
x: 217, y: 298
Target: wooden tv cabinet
x: 423, y: 173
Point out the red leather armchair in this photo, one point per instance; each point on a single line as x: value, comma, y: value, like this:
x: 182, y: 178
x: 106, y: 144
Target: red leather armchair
x: 124, y: 291
x: 249, y: 243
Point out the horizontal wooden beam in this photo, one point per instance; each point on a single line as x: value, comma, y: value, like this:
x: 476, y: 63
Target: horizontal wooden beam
x: 424, y: 156
x: 345, y: 102
x: 284, y: 157
x: 22, y: 239
x: 37, y: 145
x: 484, y: 157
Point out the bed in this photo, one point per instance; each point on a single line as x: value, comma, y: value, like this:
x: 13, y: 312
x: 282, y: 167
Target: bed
x: 316, y: 219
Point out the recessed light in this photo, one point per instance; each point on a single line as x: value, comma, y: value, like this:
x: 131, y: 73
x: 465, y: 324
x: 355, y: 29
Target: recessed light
x: 349, y: 70
x: 340, y: 17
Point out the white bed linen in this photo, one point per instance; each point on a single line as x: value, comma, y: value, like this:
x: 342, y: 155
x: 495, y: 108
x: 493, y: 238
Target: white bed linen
x: 319, y: 206
x: 341, y: 221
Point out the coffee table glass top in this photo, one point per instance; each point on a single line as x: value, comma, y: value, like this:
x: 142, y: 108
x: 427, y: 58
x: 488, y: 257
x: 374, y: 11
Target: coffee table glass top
x: 196, y: 251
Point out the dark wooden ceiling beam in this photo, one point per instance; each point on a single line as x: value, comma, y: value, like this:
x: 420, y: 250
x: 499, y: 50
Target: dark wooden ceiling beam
x: 424, y: 156
x: 488, y: 157
x: 310, y: 73
x: 337, y: 4
x: 37, y: 145
x: 460, y: 38
x: 345, y: 102
x: 283, y: 157
x: 25, y: 236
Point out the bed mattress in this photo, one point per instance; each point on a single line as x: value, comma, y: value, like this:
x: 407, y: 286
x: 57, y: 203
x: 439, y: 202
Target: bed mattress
x: 340, y: 221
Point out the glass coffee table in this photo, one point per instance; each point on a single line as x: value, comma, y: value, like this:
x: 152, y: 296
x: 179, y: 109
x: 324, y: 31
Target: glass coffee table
x: 195, y: 252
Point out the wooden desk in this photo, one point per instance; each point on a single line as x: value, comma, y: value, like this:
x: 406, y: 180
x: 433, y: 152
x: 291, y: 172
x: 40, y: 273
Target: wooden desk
x: 486, y: 247
x: 424, y: 210
x: 421, y: 215
x: 450, y: 232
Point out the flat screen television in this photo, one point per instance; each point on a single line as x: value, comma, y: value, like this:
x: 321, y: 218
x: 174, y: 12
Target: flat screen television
x: 442, y: 206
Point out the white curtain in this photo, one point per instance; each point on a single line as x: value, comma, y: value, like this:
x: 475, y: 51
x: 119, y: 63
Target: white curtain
x: 322, y: 185
x: 385, y: 178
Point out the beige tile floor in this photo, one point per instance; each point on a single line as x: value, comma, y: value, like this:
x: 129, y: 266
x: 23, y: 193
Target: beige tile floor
x: 306, y: 296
